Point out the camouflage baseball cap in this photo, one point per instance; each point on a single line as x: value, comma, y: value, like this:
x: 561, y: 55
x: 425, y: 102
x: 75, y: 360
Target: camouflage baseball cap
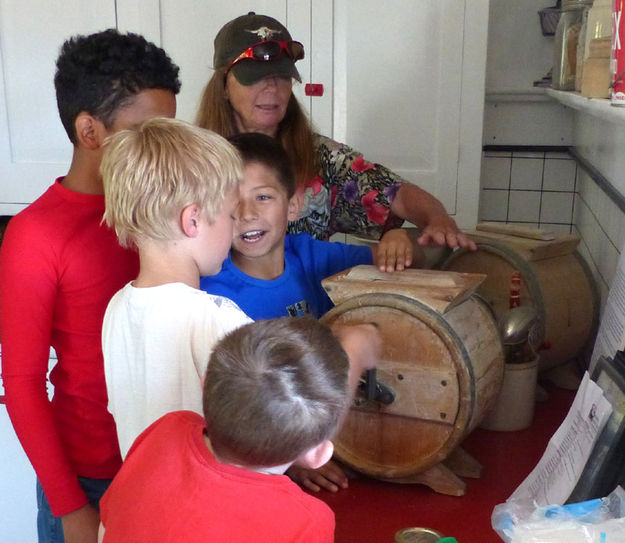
x: 244, y: 32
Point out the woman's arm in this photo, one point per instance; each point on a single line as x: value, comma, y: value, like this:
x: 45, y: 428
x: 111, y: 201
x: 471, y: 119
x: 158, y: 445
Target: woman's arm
x: 368, y: 199
x: 424, y: 210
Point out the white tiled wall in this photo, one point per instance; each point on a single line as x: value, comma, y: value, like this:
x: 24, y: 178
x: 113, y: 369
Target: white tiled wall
x: 528, y: 187
x: 551, y: 191
x: 601, y: 224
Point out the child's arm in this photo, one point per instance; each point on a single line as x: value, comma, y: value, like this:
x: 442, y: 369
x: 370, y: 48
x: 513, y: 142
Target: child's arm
x: 329, y: 477
x: 28, y: 291
x: 397, y: 250
x: 363, y: 345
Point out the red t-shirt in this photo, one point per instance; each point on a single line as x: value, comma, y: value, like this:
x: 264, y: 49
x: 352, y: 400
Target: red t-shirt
x: 59, y: 267
x: 172, y: 489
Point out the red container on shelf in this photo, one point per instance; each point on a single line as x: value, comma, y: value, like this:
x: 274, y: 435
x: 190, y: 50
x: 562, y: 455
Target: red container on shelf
x: 515, y: 289
x: 618, y: 54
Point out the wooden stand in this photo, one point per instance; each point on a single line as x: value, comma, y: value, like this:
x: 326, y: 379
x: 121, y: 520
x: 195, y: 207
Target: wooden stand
x: 444, y: 478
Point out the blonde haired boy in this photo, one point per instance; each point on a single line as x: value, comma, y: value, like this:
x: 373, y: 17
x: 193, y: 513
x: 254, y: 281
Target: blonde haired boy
x: 171, y: 190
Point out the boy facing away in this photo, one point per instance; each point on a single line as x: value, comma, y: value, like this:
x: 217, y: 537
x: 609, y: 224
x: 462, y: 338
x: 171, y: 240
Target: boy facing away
x: 171, y: 189
x: 275, y: 393
x: 59, y: 267
x: 270, y: 273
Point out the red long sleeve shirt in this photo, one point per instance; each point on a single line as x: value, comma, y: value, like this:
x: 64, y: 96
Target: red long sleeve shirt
x: 59, y: 267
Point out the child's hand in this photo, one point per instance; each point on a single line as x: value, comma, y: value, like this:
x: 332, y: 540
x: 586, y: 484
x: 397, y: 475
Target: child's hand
x: 397, y: 251
x: 363, y: 345
x: 81, y: 526
x: 329, y: 477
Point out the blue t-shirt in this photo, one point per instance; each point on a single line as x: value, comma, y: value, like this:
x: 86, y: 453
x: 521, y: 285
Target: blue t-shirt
x: 298, y: 290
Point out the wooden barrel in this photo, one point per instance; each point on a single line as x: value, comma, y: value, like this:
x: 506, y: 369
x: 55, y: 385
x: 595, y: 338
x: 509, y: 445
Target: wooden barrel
x: 555, y: 280
x: 444, y: 368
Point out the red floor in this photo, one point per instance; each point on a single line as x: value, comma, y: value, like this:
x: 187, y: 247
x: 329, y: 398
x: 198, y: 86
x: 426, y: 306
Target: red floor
x: 372, y: 511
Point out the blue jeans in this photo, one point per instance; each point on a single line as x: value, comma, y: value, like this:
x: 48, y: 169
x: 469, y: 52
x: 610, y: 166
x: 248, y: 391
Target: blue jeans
x: 49, y: 527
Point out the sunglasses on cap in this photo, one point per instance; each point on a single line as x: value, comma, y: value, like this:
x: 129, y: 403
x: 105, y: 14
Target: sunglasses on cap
x: 271, y: 50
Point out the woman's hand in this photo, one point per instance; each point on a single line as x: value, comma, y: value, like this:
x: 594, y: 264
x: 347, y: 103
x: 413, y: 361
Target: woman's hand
x: 397, y: 250
x: 442, y: 230
x: 424, y: 210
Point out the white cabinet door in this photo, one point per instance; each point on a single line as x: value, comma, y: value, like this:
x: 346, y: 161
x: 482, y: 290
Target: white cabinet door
x: 18, y: 502
x: 186, y: 30
x: 408, y: 91
x: 397, y: 76
x: 18, y: 499
x: 403, y: 81
x: 34, y: 148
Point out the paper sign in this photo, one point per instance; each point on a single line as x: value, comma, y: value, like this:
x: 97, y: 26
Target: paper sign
x: 557, y: 472
x: 611, y: 334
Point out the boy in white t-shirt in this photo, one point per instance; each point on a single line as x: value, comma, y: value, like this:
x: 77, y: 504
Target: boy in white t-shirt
x: 275, y: 393
x: 171, y: 190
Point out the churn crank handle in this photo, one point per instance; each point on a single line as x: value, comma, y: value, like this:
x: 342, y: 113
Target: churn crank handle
x: 370, y: 384
x: 374, y: 391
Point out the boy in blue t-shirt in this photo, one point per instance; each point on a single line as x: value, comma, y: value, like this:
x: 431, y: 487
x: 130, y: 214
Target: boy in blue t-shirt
x: 270, y: 273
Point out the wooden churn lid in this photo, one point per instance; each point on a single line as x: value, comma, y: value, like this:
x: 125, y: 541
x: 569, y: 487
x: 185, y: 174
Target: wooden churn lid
x: 530, y: 243
x: 439, y: 290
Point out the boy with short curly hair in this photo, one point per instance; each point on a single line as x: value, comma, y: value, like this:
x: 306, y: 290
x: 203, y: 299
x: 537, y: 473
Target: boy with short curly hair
x: 59, y: 267
x: 275, y: 393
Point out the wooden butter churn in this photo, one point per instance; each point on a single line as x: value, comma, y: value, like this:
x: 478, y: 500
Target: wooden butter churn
x: 441, y: 371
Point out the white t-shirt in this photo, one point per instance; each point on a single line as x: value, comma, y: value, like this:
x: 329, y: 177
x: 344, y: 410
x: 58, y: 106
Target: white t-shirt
x: 156, y: 343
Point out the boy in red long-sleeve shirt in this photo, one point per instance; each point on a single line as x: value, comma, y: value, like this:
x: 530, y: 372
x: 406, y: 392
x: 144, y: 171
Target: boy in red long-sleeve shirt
x: 59, y: 266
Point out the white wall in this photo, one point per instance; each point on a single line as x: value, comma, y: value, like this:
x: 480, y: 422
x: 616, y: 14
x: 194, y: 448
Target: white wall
x: 18, y: 511
x: 599, y: 220
x: 516, y: 112
x: 518, y: 53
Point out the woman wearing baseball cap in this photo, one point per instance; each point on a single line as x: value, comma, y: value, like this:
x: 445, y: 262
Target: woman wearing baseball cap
x: 250, y: 91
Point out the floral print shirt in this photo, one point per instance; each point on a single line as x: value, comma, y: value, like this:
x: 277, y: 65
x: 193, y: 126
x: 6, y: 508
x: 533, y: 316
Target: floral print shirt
x: 349, y: 195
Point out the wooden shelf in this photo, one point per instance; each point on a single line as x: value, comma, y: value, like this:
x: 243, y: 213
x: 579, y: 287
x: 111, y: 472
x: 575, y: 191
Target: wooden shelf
x: 597, y: 107
x: 533, y: 94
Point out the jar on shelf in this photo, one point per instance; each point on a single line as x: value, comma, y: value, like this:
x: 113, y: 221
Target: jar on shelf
x: 597, y: 25
x: 596, y: 77
x: 574, y: 13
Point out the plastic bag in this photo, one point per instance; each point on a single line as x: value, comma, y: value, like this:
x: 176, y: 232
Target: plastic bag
x: 595, y: 521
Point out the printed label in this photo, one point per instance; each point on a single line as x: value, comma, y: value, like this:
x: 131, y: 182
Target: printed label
x: 617, y: 62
